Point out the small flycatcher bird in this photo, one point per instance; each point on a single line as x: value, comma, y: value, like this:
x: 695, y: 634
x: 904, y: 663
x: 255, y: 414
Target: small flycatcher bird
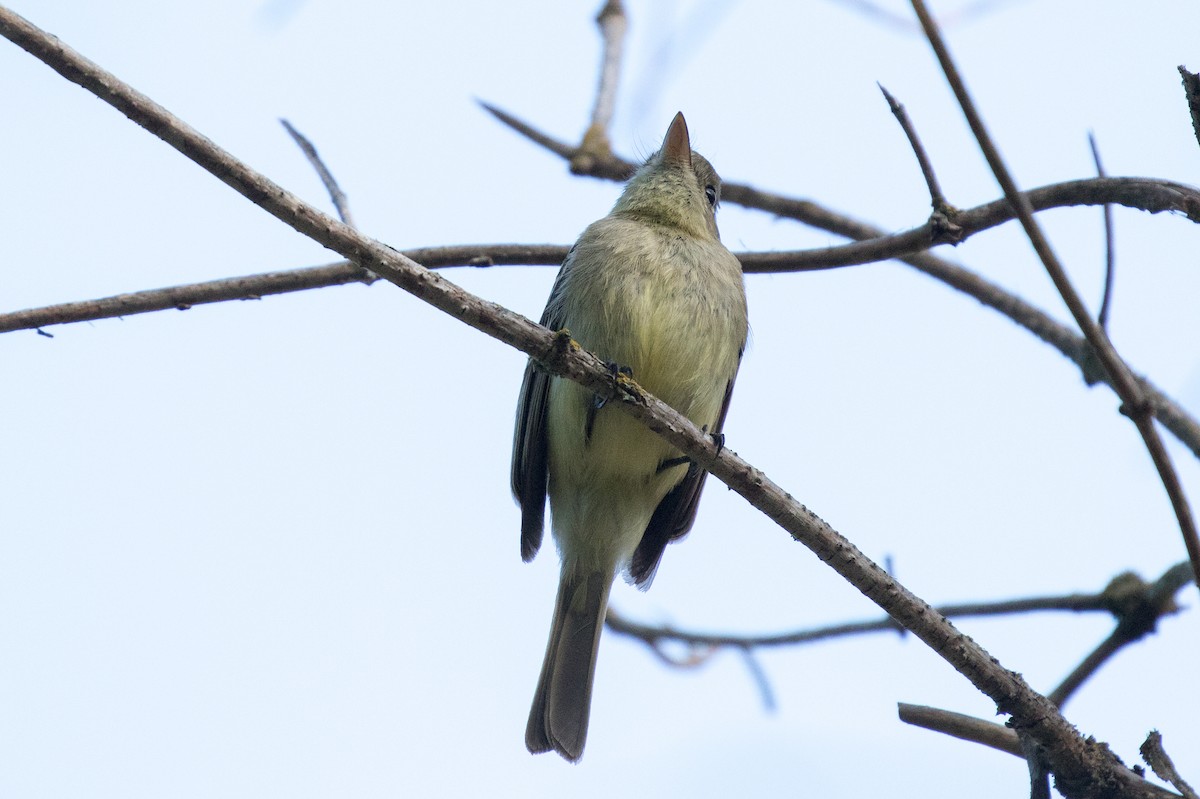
x: 651, y: 289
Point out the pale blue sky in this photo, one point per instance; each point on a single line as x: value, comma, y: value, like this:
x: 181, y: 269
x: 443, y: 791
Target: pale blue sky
x: 268, y: 549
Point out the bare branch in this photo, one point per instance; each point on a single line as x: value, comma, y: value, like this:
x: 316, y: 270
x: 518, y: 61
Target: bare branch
x: 1086, y: 765
x: 1121, y: 597
x: 1093, y: 370
x: 759, y: 675
x: 1135, y: 404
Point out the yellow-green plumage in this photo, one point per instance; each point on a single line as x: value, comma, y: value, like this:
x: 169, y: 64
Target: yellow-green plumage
x: 650, y: 287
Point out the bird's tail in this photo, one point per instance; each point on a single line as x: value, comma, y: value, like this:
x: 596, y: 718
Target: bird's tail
x: 559, y: 717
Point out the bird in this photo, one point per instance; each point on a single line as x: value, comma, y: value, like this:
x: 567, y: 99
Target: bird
x: 651, y: 290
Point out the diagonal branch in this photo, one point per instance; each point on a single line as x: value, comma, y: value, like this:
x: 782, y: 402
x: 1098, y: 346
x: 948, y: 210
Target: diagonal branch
x: 1082, y: 762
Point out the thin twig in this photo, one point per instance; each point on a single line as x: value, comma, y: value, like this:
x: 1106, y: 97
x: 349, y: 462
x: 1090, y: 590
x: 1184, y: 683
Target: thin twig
x: 1110, y: 256
x: 1134, y: 401
x: 759, y: 675
x: 1093, y: 370
x: 1083, y: 762
x: 336, y: 195
x: 936, y: 198
x: 1119, y: 597
x: 1138, y: 606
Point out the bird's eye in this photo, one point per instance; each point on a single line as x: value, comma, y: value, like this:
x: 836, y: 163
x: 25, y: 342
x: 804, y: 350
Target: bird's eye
x: 710, y: 191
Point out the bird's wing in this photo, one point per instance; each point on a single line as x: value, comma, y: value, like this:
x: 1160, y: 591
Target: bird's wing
x: 530, y: 455
x: 675, y: 514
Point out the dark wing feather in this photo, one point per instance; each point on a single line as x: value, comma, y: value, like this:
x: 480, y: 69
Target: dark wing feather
x: 529, y: 466
x: 530, y: 459
x: 674, y: 515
